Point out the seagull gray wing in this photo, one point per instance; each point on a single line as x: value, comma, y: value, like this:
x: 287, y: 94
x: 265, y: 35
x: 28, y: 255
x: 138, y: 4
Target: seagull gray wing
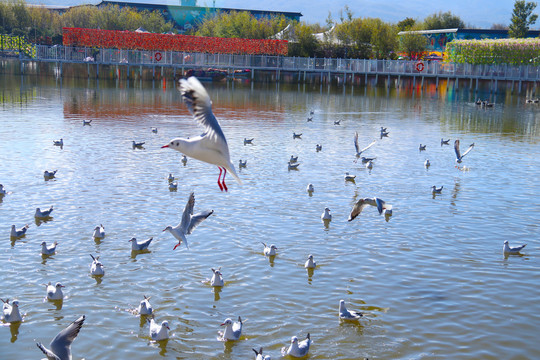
x: 199, y: 104
x: 456, y: 149
x: 186, y: 215
x: 357, y: 208
x: 61, y: 344
x: 197, y: 219
x: 50, y: 355
x: 468, y: 150
x: 356, y: 142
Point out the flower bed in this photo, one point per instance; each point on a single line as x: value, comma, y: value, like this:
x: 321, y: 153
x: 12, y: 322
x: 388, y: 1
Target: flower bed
x: 131, y: 40
x: 495, y: 51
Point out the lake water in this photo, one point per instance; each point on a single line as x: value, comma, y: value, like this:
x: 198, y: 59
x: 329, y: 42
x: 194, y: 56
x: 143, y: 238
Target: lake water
x: 432, y: 281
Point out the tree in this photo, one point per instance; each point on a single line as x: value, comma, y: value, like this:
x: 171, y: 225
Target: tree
x: 406, y: 24
x: 522, y: 17
x: 442, y: 20
x: 412, y: 44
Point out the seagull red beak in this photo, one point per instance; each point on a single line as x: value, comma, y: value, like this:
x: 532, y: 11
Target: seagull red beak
x: 165, y: 146
x: 222, y: 324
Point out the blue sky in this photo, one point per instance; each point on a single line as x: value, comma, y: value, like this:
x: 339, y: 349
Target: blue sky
x: 480, y: 13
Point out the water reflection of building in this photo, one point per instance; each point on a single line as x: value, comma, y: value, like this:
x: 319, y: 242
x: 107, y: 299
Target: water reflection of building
x: 188, y: 14
x: 437, y: 39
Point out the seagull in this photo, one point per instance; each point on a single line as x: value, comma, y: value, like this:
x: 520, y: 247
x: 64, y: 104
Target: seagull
x: 310, y: 264
x: 184, y: 159
x: 61, y: 344
x: 48, y: 250
x: 86, y: 122
x: 159, y: 332
x: 217, y: 278
x: 318, y: 147
x: 49, y: 174
x: 293, y: 166
x: 211, y: 146
x: 99, y: 232
x: 362, y: 203
x: 311, y: 112
x: 188, y: 222
x: 143, y: 245
x: 242, y: 164
x: 43, y: 214
x: 422, y: 147
x: 384, y: 133
x: 349, y: 177
x: 17, y: 233
x: 512, y: 250
x: 310, y: 118
x: 297, y: 349
x: 96, y: 269
x: 357, y: 148
x: 154, y: 130
x: 144, y: 306
x: 293, y: 159
x: 11, y: 312
x: 445, y: 142
x: 427, y: 163
x: 2, y: 190
x: 310, y: 189
x: 233, y: 330
x: 170, y: 178
x: 326, y: 214
x: 269, y: 250
x: 259, y: 355
x: 173, y: 186
x: 435, y: 190
x: 345, y: 314
x: 137, y: 144
x: 296, y: 136
x: 459, y: 155
x: 55, y: 292
x: 58, y: 142
x: 248, y: 141
x: 337, y: 122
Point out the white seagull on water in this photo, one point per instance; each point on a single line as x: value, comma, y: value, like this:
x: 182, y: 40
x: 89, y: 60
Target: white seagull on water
x: 159, y: 332
x: 326, y: 215
x: 310, y: 189
x: 10, y: 312
x: 345, y: 314
x: 259, y: 355
x: 144, y: 306
x: 43, y: 214
x: 58, y: 142
x: 310, y: 264
x: 233, y: 330
x: 54, y: 292
x: 17, y: 233
x: 211, y: 146
x: 61, y: 344
x: 269, y: 250
x: 297, y: 349
x: 48, y: 250
x: 459, y: 155
x: 96, y: 269
x: 99, y: 232
x: 217, y: 278
x: 507, y: 249
x: 49, y: 174
x: 362, y: 203
x: 140, y: 245
x: 188, y: 222
x: 436, y: 190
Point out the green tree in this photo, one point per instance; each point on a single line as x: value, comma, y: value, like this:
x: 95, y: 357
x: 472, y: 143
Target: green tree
x: 442, y: 20
x: 241, y: 24
x: 406, y: 24
x: 302, y: 42
x: 522, y: 17
x: 412, y: 44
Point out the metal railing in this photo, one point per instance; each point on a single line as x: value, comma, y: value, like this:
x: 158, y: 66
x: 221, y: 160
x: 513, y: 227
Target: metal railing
x: 281, y: 63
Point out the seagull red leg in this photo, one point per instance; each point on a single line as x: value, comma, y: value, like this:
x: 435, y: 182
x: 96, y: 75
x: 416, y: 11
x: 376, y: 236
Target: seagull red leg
x: 223, y: 180
x: 177, y: 245
x: 218, y: 179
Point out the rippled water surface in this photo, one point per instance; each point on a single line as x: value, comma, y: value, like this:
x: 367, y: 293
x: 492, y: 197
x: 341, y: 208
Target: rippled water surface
x: 432, y: 281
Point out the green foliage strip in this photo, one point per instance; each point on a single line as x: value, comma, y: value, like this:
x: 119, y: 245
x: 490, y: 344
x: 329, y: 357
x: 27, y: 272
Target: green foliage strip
x: 495, y: 51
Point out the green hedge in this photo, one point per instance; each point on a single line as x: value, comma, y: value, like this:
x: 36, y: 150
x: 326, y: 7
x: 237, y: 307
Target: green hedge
x: 495, y: 51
